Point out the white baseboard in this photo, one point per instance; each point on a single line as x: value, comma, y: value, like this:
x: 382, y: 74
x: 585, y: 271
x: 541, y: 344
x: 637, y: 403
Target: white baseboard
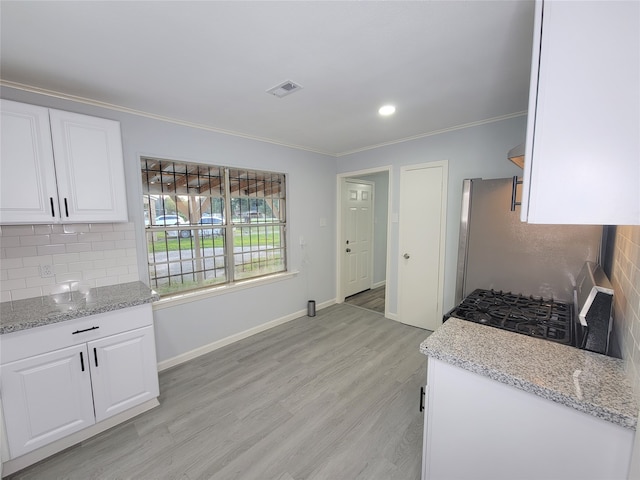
x: 379, y: 284
x: 190, y: 355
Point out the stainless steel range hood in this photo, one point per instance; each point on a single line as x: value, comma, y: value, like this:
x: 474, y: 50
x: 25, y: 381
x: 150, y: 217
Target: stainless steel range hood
x: 516, y: 155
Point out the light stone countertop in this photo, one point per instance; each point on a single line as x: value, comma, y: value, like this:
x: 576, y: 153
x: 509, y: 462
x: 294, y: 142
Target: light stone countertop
x: 37, y: 312
x: 589, y: 382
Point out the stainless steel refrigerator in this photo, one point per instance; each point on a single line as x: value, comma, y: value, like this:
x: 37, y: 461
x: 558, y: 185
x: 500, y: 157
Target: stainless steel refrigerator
x: 497, y: 251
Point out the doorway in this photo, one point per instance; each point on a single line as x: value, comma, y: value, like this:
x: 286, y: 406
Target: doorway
x: 363, y: 265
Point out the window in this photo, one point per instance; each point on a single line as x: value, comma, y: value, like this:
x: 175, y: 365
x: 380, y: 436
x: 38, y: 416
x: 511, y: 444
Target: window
x: 207, y: 225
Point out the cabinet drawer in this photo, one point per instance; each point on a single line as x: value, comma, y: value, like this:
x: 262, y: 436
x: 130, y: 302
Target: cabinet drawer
x: 39, y: 340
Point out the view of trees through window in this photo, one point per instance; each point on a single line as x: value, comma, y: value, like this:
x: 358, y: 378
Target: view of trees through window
x: 208, y: 225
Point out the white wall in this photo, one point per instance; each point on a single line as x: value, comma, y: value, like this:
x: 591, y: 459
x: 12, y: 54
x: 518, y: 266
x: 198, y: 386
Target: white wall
x: 311, y: 197
x: 474, y: 152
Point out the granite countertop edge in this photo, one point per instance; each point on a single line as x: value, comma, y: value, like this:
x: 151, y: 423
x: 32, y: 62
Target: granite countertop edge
x: 40, y: 311
x: 600, y: 410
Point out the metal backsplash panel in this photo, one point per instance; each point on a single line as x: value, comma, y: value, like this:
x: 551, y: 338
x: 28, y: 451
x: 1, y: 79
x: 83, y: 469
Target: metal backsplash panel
x: 498, y: 251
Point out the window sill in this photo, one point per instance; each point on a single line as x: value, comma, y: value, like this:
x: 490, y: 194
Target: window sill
x: 180, y: 298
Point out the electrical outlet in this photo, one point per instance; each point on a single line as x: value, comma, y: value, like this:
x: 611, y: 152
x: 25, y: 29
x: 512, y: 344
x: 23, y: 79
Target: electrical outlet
x: 46, y: 271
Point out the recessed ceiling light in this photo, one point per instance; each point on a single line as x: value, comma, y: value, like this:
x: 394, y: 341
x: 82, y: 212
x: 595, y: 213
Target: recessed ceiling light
x: 387, y: 110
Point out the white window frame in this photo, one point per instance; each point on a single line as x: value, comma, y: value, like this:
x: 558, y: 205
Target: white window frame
x: 233, y: 180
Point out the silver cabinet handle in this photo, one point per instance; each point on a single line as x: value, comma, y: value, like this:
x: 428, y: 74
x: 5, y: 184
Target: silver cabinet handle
x: 406, y: 255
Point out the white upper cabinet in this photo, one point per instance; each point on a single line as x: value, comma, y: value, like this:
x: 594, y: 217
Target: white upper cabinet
x: 60, y: 167
x: 583, y: 135
x: 27, y: 174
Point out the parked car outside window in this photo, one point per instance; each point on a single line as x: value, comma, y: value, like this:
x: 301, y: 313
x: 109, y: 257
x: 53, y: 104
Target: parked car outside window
x: 167, y: 220
x: 211, y: 220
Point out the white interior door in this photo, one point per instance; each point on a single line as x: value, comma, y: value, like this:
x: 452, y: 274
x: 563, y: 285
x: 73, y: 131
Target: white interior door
x: 423, y: 190
x: 357, y: 233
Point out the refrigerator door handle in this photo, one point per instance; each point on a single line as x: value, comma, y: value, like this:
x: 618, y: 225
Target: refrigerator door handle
x: 514, y: 193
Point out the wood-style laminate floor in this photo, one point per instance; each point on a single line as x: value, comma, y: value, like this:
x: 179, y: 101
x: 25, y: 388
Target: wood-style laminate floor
x: 333, y: 397
x: 372, y: 299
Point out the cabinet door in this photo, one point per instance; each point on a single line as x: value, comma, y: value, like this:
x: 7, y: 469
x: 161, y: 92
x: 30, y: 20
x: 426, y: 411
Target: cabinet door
x: 583, y: 144
x: 46, y: 397
x: 28, y: 180
x: 124, y: 371
x: 89, y: 168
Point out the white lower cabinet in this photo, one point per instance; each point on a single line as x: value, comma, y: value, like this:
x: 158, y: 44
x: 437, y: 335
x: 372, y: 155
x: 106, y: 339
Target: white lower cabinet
x: 45, y: 398
x: 120, y: 374
x: 478, y: 428
x: 49, y: 396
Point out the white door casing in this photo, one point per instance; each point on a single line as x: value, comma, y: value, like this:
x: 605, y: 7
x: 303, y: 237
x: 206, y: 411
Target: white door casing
x: 422, y: 228
x: 357, y: 236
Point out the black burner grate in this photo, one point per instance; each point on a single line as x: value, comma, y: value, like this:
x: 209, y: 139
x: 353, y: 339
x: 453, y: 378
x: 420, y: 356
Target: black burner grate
x: 536, y: 317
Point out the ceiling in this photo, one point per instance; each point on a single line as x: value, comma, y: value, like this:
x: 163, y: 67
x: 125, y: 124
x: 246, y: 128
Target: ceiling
x: 443, y: 64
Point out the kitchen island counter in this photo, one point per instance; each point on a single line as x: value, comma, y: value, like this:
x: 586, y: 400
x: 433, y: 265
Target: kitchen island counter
x: 40, y: 311
x: 588, y: 382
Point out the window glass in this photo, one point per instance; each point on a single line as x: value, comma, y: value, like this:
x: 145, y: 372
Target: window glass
x: 208, y: 225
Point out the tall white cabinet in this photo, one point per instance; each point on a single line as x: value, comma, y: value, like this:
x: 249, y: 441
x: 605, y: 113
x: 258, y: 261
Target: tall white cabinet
x: 59, y: 167
x: 582, y: 155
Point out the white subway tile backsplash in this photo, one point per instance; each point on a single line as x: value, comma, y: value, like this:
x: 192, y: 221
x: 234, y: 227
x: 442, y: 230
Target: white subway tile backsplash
x: 15, y: 284
x: 128, y: 278
x: 122, y: 270
x: 19, y: 252
x: 68, y: 277
x: 91, y: 255
x: 23, y: 272
x: 93, y: 274
x: 66, y: 258
x: 17, y: 230
x: 625, y: 278
x: 84, y: 253
x: 64, y: 238
x: 27, y: 240
x: 105, y: 263
x: 12, y: 263
x: 101, y: 227
x: 124, y: 227
x: 38, y: 260
x: 23, y: 293
x: 9, y: 242
x: 81, y: 266
x: 102, y: 282
x: 90, y: 237
x: 51, y: 249
x: 73, y: 228
x: 38, y: 281
x: 79, y: 247
x: 42, y: 229
x: 109, y: 245
x: 126, y: 244
x: 115, y: 236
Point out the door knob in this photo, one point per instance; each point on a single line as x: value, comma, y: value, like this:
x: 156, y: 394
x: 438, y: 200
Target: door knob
x: 348, y: 250
x: 406, y: 255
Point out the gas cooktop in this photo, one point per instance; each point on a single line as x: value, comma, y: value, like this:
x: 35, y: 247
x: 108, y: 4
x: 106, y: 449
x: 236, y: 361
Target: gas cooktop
x: 536, y: 317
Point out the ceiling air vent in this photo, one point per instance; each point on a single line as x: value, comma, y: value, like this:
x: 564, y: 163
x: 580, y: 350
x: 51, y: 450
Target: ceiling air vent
x: 284, y: 89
